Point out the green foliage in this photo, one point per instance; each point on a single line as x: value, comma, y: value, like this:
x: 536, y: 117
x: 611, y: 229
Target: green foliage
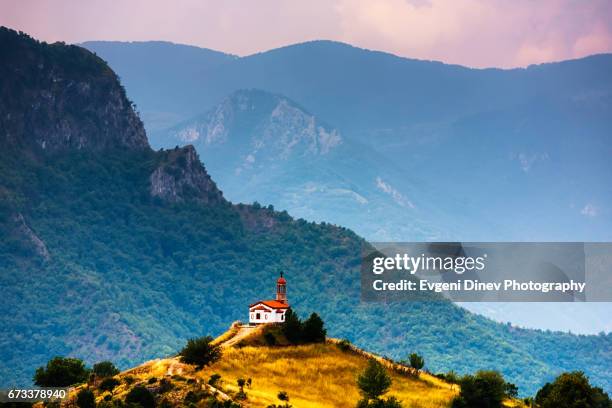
x: 105, y: 369
x: 108, y: 384
x: 296, y: 331
x: 511, y: 390
x: 214, y: 380
x: 344, y: 345
x: 140, y: 395
x: 283, y: 396
x: 390, y: 402
x: 292, y: 326
x: 61, y: 372
x: 374, y: 381
x: 485, y: 389
x: 269, y: 338
x: 313, y: 330
x: 572, y: 390
x: 200, y: 352
x: 86, y: 399
x: 416, y: 361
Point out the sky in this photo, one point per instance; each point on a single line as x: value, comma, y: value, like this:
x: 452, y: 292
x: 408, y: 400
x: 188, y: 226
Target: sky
x: 475, y: 33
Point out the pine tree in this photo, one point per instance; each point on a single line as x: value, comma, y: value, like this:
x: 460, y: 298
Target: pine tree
x: 313, y: 330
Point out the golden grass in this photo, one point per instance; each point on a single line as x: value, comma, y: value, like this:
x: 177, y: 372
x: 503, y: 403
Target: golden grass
x: 315, y: 376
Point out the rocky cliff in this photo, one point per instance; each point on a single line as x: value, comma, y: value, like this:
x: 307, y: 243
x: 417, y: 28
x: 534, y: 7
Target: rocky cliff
x: 57, y: 97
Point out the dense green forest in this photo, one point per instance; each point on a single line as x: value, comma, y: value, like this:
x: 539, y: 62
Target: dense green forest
x: 94, y: 265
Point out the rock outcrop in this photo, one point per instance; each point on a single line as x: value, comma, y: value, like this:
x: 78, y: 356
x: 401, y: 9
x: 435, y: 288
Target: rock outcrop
x: 181, y: 177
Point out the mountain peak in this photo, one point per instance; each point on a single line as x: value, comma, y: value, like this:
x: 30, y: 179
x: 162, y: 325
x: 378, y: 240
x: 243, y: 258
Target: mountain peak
x: 60, y: 97
x: 263, y: 123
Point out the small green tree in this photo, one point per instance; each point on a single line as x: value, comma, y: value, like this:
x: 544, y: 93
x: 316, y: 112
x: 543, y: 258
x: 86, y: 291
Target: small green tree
x: 572, y: 390
x: 140, y: 395
x: 214, y: 380
x: 374, y: 380
x: 486, y: 389
x: 200, y: 352
x: 292, y: 327
x: 313, y: 330
x: 416, y: 362
x: 105, y: 369
x: 241, y: 394
x: 61, y: 372
x: 283, y: 396
x: 86, y: 399
x: 511, y: 390
x: 108, y: 384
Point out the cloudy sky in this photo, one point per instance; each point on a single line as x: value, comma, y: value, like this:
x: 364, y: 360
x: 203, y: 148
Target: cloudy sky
x: 477, y: 33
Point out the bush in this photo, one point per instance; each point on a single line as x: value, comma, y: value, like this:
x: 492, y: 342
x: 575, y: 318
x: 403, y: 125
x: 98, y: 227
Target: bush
x: 86, y: 399
x: 200, y: 352
x: 416, y: 362
x: 108, y: 384
x: 165, y: 385
x: 140, y: 395
x: 313, y: 330
x: 128, y: 379
x: 105, y: 369
x: 486, y: 389
x: 61, y: 372
x: 373, y: 381
x: 310, y: 331
x: 152, y: 380
x: 292, y: 327
x: 344, y: 345
x: 214, y: 380
x: 269, y: 339
x: 572, y: 390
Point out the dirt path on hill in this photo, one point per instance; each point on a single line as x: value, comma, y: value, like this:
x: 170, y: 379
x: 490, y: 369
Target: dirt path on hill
x: 241, y: 333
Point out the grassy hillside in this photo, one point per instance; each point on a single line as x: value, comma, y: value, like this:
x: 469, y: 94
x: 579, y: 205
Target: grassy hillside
x: 316, y: 376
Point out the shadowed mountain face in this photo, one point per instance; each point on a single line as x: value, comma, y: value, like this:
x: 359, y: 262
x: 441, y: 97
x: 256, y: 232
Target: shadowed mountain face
x: 111, y: 250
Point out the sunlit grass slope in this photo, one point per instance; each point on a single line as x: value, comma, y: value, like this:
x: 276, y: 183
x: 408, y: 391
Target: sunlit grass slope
x: 318, y: 375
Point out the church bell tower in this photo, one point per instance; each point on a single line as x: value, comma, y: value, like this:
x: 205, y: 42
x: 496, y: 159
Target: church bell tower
x: 281, y: 289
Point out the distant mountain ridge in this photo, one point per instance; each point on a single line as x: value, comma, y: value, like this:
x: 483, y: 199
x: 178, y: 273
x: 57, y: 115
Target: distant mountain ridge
x: 482, y: 154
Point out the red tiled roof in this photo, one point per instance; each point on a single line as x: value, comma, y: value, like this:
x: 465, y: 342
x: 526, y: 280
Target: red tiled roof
x: 274, y: 304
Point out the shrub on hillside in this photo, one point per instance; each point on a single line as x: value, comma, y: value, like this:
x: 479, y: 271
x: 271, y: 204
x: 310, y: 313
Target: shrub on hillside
x: 313, y: 330
x: 105, y: 369
x: 344, y: 345
x: 108, y: 384
x: 86, y: 399
x: 140, y: 395
x: 61, y: 372
x: 200, y: 352
x: 374, y: 381
x: 310, y: 331
x: 292, y: 326
x: 572, y: 390
x: 486, y: 389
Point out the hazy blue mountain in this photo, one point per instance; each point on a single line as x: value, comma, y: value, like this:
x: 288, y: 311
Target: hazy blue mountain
x: 161, y: 76
x: 487, y: 154
x: 523, y: 150
x: 265, y: 147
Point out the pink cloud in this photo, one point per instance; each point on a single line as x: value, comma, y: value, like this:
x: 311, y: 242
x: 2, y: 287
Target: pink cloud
x: 470, y: 32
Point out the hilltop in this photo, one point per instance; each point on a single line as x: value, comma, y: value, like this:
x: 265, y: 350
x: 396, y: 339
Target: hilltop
x: 313, y: 375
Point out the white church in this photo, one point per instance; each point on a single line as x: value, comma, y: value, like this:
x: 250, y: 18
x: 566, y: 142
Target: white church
x: 271, y: 311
